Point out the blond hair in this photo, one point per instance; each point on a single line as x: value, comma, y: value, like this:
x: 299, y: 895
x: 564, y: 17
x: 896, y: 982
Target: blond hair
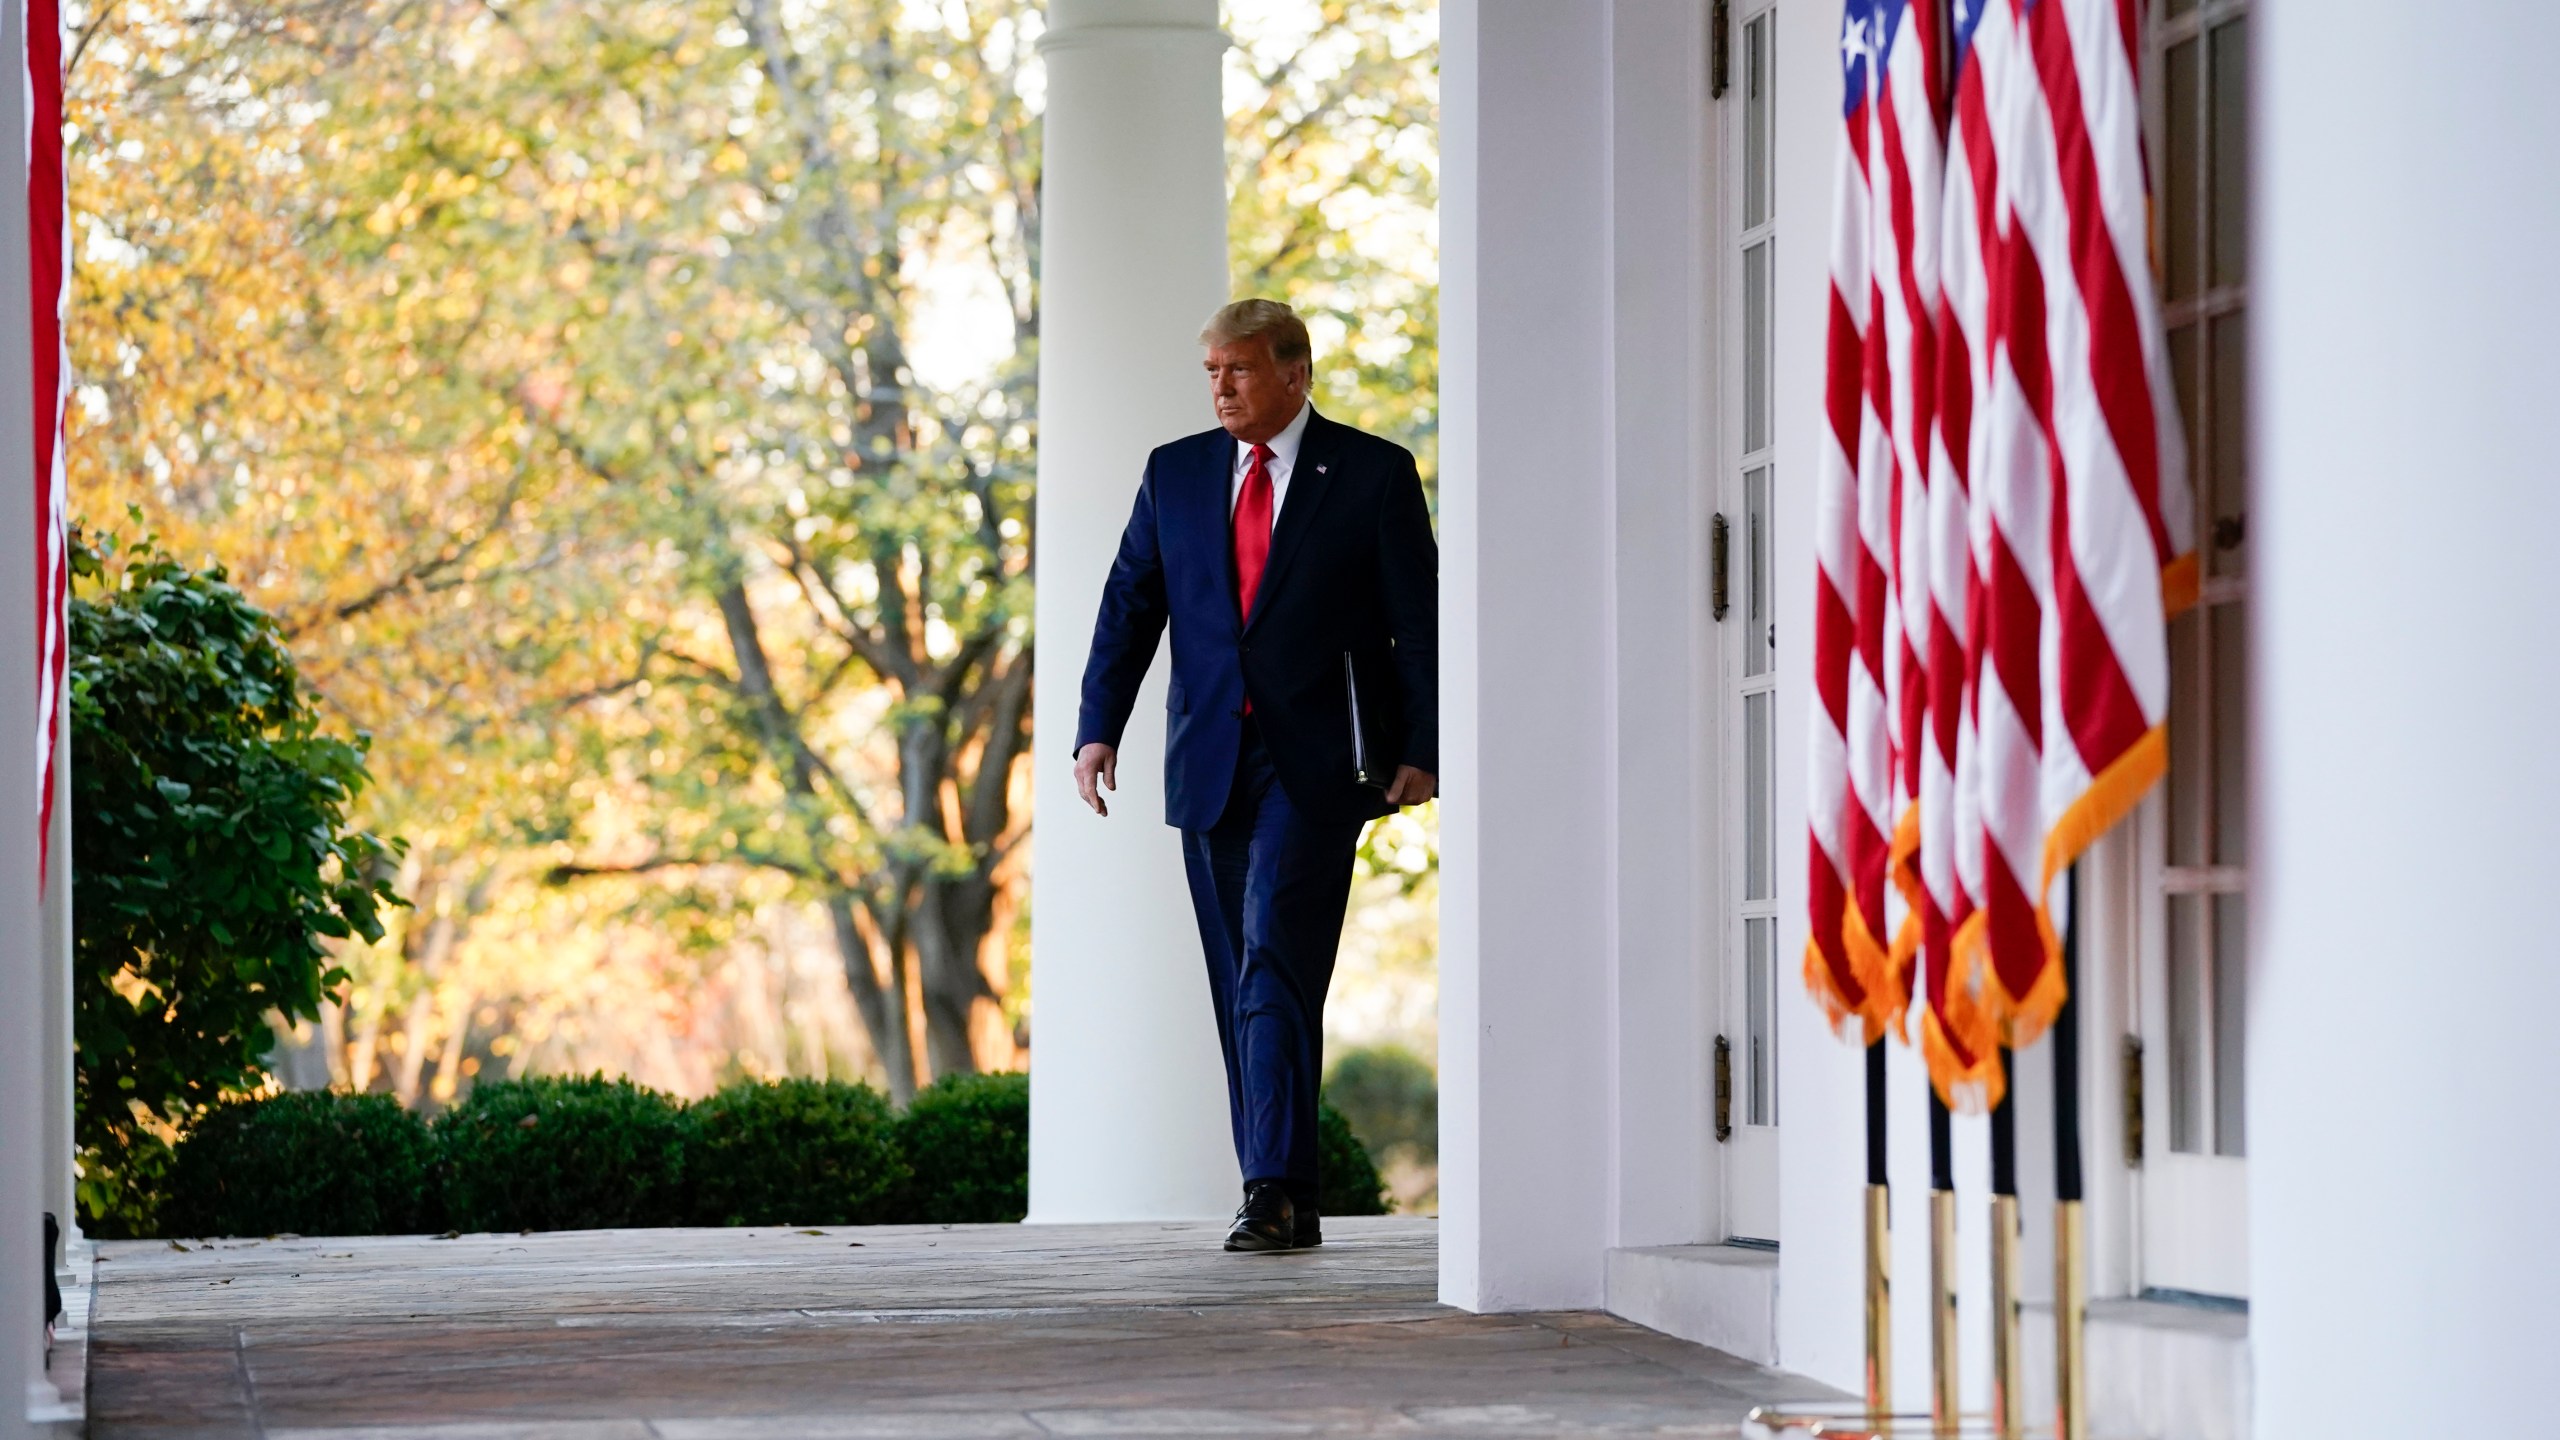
x: 1261, y: 320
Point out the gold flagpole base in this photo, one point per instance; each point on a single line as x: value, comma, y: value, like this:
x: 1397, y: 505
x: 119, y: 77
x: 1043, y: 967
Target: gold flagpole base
x: 2008, y: 1363
x: 2070, y: 1320
x: 1945, y: 1392
x: 1879, y: 1300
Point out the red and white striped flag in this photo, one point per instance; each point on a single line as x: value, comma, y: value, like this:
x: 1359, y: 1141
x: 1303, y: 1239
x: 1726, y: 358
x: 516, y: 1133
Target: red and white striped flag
x: 1871, y: 629
x: 1910, y: 135
x: 1957, y: 1035
x: 2082, y: 523
x: 48, y: 222
x: 2003, y: 524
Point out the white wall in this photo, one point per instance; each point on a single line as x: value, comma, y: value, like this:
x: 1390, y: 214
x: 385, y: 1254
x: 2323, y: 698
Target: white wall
x: 1822, y: 1164
x: 2402, y: 986
x: 1527, y: 739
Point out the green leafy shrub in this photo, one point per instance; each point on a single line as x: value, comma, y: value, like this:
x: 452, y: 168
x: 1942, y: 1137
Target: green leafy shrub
x: 796, y: 1152
x: 968, y: 1140
x: 312, y: 1163
x: 209, y: 830
x: 1391, y: 1097
x: 563, y: 1153
x: 1347, y: 1180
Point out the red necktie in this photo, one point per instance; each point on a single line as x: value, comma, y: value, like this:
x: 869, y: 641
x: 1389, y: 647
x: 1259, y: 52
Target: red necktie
x: 1253, y: 529
x: 1252, y: 535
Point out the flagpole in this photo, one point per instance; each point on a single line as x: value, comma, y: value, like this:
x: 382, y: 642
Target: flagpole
x: 2070, y: 1235
x: 2008, y: 1370
x: 1945, y: 1391
x: 1879, y: 1243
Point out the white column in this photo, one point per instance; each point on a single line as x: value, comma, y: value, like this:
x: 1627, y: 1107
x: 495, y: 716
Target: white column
x: 22, y: 987
x: 2406, y: 519
x: 1527, y: 738
x: 1128, y: 1104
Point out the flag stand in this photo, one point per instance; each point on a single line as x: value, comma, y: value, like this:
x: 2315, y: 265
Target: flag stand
x: 1879, y: 1243
x: 2008, y: 1368
x: 2070, y: 1235
x: 1945, y: 1391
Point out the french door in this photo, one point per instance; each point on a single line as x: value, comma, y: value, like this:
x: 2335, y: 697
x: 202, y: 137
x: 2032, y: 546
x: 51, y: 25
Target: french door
x: 2191, y: 994
x: 1749, y: 674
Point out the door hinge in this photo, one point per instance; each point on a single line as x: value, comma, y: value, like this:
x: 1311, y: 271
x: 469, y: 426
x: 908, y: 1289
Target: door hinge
x: 1719, y: 566
x: 1719, y: 49
x: 1724, y: 1089
x: 2133, y: 1102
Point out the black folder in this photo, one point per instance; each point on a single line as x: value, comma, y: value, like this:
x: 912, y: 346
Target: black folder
x: 1369, y: 764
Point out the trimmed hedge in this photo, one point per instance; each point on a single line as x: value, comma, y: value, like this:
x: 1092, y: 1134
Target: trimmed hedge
x: 1391, y: 1097
x: 311, y: 1164
x: 573, y: 1153
x: 1347, y: 1180
x: 797, y: 1152
x: 969, y: 1139
x: 563, y: 1153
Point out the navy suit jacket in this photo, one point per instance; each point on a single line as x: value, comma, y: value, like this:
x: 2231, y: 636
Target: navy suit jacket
x: 1353, y: 569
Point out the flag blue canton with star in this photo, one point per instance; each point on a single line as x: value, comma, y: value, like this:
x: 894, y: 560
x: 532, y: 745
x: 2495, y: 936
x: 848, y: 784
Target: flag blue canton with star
x: 1867, y: 29
x: 1965, y: 18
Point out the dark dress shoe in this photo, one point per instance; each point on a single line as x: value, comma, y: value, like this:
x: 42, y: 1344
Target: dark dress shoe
x: 1265, y: 1221
x: 1310, y: 1229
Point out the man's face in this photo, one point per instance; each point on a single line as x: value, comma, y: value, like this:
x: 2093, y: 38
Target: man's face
x: 1255, y: 395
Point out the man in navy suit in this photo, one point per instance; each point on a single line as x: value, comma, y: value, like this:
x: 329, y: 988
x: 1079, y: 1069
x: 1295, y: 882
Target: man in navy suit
x: 1290, y: 555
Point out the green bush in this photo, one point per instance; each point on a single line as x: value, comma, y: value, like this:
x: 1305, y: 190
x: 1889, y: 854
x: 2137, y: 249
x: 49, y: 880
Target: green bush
x: 567, y: 1153
x: 1347, y: 1180
x: 1391, y: 1097
x: 314, y: 1163
x: 968, y: 1140
x: 210, y: 830
x: 796, y: 1152
x: 563, y: 1153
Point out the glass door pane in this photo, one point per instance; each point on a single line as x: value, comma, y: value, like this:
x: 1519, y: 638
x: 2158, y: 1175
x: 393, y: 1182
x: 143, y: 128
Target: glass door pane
x: 1760, y: 1021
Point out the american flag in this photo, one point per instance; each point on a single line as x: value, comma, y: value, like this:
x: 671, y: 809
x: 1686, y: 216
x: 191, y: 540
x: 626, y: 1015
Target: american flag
x: 1955, y: 1029
x: 48, y: 221
x: 2028, y: 595
x: 1871, y: 630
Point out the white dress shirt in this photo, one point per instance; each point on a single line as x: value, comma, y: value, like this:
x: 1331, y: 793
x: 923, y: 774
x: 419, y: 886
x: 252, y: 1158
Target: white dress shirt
x: 1284, y: 458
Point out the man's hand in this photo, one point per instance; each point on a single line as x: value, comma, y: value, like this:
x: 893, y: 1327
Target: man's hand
x: 1098, y: 762
x: 1411, y: 786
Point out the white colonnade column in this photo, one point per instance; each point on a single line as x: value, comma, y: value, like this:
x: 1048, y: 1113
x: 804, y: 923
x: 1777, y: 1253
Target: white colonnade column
x: 1128, y: 1101
x: 22, y: 989
x: 2402, y: 1068
x: 1527, y: 743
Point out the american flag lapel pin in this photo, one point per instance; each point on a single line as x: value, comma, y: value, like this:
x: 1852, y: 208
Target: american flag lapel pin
x: 1319, y: 469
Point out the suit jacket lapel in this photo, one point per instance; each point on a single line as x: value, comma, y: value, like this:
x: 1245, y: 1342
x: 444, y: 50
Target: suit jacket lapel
x: 1308, y: 480
x: 1208, y: 517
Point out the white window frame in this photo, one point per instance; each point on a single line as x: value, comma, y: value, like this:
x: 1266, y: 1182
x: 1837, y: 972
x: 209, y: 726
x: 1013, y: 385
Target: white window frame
x: 2191, y: 1232
x: 1751, y: 1148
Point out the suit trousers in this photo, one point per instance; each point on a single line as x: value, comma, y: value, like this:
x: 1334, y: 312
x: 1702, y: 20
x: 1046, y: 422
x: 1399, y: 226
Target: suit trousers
x: 1270, y: 887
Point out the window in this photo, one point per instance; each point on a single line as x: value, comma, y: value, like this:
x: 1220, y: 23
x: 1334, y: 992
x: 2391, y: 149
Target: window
x: 1759, y: 643
x: 1746, y: 487
x: 2190, y: 1002
x: 2202, y: 214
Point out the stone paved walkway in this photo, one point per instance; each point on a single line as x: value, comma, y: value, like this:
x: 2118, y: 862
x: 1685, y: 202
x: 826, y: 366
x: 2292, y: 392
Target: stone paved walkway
x: 917, y: 1332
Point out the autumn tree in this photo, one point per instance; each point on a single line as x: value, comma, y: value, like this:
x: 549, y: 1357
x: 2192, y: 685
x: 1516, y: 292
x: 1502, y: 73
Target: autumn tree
x: 838, y: 690
x: 573, y: 380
